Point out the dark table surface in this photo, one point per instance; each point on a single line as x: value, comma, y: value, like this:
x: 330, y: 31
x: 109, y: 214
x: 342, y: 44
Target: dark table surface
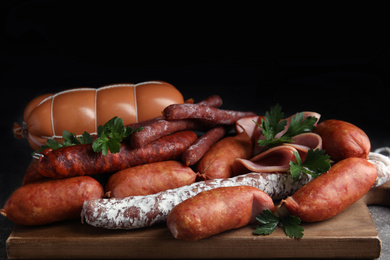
x: 337, y: 73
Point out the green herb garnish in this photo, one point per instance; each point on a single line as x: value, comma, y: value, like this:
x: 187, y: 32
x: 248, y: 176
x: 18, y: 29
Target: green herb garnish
x: 273, y: 123
x: 109, y: 137
x: 316, y: 163
x: 269, y: 222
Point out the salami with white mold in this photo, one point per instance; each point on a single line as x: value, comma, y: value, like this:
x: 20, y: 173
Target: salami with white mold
x: 143, y: 211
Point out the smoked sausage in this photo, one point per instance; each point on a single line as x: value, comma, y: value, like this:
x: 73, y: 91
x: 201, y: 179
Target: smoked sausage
x: 84, y: 109
x: 211, y: 114
x: 149, y: 179
x: 217, y: 210
x: 80, y: 159
x: 200, y: 147
x: 341, y: 139
x: 218, y: 161
x: 332, y: 192
x: 49, y: 201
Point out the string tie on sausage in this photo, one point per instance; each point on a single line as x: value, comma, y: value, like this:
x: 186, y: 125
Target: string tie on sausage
x: 382, y: 164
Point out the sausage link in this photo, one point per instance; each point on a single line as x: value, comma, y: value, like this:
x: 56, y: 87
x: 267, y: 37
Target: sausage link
x: 143, y: 211
x: 211, y: 101
x: 341, y: 140
x: 50, y: 201
x: 217, y: 210
x: 199, y: 148
x: 211, y: 114
x: 332, y: 192
x: 82, y: 160
x: 218, y: 161
x: 149, y: 179
x: 160, y: 128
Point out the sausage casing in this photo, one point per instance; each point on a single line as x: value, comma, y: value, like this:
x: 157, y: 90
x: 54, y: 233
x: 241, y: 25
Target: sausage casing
x: 334, y: 191
x: 217, y: 210
x: 149, y: 179
x: 50, y: 201
x: 84, y: 109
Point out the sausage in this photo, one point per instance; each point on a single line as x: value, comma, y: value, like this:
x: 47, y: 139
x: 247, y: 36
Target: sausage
x: 218, y: 161
x: 158, y: 127
x: 50, y: 201
x: 199, y: 148
x: 217, y: 210
x: 31, y: 174
x: 332, y: 192
x: 84, y: 109
x: 149, y: 179
x: 161, y: 128
x: 341, y: 140
x: 82, y: 160
x: 211, y: 101
x: 144, y: 211
x: 211, y: 114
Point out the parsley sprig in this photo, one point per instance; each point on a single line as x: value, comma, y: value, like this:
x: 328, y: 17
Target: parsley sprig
x: 269, y: 222
x: 109, y: 137
x: 273, y: 123
x: 316, y: 163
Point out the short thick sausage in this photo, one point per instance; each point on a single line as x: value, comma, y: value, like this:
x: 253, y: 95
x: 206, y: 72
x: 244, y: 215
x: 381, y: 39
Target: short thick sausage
x: 341, y: 140
x: 217, y: 210
x: 50, y: 201
x: 149, y: 179
x: 218, y: 161
x: 332, y: 192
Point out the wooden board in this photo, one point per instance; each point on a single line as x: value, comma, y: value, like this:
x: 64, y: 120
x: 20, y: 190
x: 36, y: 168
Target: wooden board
x: 351, y: 234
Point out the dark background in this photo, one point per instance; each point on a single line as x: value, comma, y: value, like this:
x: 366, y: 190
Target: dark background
x: 333, y: 62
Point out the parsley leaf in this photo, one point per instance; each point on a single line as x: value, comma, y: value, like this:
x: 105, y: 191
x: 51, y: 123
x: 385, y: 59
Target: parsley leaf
x: 269, y: 222
x: 274, y: 123
x: 316, y: 163
x: 109, y: 137
x: 298, y: 125
x: 292, y: 226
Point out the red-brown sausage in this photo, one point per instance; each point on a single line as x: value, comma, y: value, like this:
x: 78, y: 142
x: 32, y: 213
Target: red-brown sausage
x: 217, y: 210
x: 50, y: 201
x: 80, y: 160
x: 211, y: 114
x: 332, y: 192
x: 218, y: 161
x: 211, y: 101
x: 160, y: 128
x: 341, y: 140
x: 149, y: 179
x: 199, y: 148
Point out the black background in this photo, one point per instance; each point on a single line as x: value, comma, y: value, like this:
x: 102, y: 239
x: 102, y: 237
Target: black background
x: 334, y: 60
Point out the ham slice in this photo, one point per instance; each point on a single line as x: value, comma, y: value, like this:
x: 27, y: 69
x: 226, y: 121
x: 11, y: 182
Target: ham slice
x: 257, y: 135
x: 277, y: 159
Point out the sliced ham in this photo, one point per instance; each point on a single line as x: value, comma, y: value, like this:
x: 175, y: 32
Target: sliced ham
x: 257, y: 135
x: 277, y: 159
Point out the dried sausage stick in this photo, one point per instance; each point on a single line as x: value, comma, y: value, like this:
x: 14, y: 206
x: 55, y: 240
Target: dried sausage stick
x: 143, y: 211
x: 211, y: 101
x: 196, y: 151
x: 82, y: 160
x: 211, y: 114
x: 160, y: 128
